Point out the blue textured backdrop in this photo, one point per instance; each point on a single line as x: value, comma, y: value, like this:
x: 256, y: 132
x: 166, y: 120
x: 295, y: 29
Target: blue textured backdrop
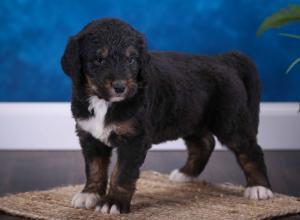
x: 34, y: 33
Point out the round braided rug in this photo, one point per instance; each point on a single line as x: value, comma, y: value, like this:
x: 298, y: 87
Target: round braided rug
x: 156, y: 198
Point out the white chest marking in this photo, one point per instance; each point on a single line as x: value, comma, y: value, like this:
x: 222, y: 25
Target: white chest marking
x: 95, y: 125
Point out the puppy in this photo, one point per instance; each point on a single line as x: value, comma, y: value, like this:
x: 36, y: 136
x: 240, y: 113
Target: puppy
x: 128, y: 98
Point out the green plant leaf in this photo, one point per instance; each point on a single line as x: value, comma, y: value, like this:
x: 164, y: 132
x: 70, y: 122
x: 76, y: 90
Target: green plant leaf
x: 296, y: 36
x: 293, y: 64
x: 280, y: 18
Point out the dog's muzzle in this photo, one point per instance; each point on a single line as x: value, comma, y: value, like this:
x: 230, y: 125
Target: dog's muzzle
x: 119, y: 87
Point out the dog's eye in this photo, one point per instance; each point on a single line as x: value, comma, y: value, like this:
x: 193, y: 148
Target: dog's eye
x: 131, y: 60
x: 100, y: 60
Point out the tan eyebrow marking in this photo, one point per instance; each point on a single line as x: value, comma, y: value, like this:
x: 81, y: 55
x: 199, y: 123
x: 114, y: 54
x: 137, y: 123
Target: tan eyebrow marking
x: 131, y: 51
x: 103, y: 52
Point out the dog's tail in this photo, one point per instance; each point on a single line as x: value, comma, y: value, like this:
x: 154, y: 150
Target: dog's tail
x: 249, y: 75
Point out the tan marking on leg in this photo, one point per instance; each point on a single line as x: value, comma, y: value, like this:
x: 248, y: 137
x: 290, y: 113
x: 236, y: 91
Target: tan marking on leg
x: 199, y: 151
x: 97, y: 179
x: 123, y: 191
x: 254, y: 177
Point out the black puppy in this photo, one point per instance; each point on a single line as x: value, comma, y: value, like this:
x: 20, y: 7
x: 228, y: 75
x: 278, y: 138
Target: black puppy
x: 126, y: 97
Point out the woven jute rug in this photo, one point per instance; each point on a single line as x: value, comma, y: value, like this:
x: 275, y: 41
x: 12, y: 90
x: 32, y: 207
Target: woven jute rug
x: 156, y: 198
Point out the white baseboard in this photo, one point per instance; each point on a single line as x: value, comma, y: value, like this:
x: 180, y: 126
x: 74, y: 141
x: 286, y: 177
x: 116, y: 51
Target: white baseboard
x: 49, y: 126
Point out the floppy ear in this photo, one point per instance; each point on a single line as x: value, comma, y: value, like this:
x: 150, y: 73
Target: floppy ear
x: 70, y: 61
x: 145, y: 67
x: 142, y: 45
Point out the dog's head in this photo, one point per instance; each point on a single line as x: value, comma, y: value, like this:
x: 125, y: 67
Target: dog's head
x: 107, y: 58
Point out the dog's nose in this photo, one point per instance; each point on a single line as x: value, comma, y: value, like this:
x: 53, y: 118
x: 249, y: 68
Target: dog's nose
x: 118, y: 86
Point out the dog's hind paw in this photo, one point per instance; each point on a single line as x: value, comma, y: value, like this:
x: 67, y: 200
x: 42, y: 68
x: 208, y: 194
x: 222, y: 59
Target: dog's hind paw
x: 85, y: 200
x: 258, y: 193
x: 177, y: 176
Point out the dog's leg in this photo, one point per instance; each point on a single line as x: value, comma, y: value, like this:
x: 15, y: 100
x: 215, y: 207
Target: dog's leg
x: 123, y: 179
x: 97, y: 157
x: 251, y: 159
x: 199, y: 150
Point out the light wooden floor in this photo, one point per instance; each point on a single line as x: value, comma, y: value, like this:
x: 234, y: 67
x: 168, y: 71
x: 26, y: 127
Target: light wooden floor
x: 36, y: 170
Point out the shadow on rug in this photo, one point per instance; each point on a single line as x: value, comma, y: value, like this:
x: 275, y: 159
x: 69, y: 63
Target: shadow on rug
x: 156, y: 198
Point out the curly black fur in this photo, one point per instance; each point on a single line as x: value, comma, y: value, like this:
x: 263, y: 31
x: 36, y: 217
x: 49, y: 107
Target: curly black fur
x: 169, y: 95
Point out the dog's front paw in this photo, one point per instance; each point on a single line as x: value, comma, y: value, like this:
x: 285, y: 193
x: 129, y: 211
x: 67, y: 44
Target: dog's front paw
x: 85, y: 200
x: 258, y: 193
x: 110, y: 205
